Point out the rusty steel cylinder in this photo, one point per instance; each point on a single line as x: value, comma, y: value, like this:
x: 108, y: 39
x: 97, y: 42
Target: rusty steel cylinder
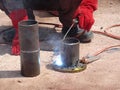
x: 29, y: 48
x: 70, y: 52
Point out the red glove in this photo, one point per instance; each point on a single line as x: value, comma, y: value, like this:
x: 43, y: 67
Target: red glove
x: 84, y: 13
x: 16, y: 16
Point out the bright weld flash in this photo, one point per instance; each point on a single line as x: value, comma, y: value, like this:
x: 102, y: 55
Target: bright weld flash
x: 58, y: 60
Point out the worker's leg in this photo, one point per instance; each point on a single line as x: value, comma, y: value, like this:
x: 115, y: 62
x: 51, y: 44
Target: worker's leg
x: 47, y: 5
x: 8, y: 34
x: 16, y: 12
x: 65, y: 8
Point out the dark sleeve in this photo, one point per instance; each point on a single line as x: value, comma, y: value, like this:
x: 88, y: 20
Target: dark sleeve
x: 2, y: 7
x: 28, y: 9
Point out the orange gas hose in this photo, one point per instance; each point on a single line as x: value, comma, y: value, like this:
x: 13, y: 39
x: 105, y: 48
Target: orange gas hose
x: 106, y: 33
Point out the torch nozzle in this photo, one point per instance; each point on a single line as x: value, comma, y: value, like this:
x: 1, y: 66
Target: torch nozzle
x: 75, y: 21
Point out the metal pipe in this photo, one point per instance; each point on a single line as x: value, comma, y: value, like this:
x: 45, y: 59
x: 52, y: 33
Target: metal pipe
x: 70, y: 52
x: 29, y: 48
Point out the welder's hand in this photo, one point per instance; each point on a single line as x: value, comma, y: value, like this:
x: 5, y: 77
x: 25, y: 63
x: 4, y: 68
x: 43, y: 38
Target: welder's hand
x: 16, y: 16
x: 84, y: 13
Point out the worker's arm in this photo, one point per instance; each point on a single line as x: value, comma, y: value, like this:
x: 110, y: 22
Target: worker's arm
x: 16, y: 13
x: 84, y: 13
x: 17, y: 16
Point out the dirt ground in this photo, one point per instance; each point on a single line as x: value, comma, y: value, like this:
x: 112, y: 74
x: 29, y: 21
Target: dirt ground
x: 103, y: 74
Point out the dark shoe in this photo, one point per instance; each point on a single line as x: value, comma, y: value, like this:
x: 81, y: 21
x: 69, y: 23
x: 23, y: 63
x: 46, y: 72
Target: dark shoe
x: 8, y: 35
x: 83, y: 36
x: 71, y: 33
x: 86, y: 37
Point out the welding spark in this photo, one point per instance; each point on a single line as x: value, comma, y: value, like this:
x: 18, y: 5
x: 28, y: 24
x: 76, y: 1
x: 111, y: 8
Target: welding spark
x: 58, y: 60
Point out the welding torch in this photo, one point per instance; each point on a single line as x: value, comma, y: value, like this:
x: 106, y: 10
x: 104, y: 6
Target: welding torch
x: 75, y: 21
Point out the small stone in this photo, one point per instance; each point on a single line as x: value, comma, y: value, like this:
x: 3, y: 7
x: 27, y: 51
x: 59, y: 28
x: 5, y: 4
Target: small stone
x: 19, y: 81
x: 101, y: 27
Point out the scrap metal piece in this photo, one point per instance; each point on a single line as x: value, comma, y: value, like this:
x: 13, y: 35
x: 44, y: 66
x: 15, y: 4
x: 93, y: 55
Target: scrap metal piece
x: 89, y: 59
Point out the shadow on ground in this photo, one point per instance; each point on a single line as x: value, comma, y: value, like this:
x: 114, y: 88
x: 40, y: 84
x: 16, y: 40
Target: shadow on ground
x: 47, y: 37
x: 10, y: 74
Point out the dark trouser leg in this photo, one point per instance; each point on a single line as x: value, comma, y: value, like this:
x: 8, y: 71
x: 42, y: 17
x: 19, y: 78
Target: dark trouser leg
x: 66, y: 15
x: 48, y: 5
x: 30, y: 14
x: 65, y: 8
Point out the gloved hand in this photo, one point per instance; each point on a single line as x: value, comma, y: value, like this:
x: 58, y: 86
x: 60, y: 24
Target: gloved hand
x: 16, y: 16
x: 84, y: 14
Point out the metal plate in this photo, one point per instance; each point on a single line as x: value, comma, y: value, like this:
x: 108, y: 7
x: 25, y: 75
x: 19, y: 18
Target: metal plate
x: 71, y: 69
